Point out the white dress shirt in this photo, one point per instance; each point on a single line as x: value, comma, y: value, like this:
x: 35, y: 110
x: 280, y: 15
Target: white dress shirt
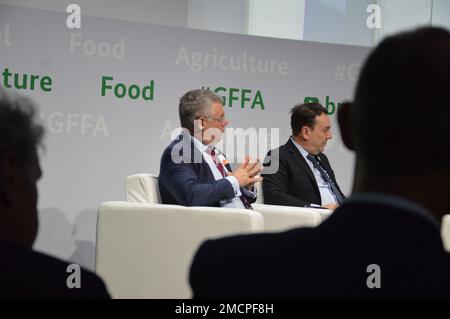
x: 326, y: 194
x: 235, y: 202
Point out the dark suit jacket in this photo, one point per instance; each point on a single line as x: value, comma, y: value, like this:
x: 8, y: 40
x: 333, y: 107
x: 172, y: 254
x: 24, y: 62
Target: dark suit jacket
x: 188, y: 180
x: 294, y: 183
x: 28, y: 274
x: 330, y: 260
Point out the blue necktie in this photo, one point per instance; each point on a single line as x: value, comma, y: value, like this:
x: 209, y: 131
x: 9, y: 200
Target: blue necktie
x: 326, y: 178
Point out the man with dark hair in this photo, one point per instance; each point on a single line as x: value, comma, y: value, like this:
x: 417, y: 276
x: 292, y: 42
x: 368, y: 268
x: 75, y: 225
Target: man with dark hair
x: 25, y: 273
x: 304, y: 177
x: 385, y: 240
x: 193, y: 171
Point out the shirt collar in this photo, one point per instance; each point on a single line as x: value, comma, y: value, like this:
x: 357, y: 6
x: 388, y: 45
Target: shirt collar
x: 202, y: 147
x: 300, y: 148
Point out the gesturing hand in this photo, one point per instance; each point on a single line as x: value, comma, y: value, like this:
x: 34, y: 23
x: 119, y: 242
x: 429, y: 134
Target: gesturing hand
x: 246, y: 173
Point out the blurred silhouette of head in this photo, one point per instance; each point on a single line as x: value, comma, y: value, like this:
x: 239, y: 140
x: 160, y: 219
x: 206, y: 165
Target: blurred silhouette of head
x: 399, y: 122
x: 20, y: 137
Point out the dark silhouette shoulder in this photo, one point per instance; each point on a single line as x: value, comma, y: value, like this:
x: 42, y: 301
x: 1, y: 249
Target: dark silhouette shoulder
x: 30, y: 274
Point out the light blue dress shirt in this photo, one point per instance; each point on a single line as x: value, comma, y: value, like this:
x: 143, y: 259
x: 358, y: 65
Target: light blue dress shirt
x: 326, y: 194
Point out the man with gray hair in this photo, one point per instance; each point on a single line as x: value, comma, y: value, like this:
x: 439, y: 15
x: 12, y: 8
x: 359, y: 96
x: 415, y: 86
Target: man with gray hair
x: 25, y: 273
x: 193, y: 171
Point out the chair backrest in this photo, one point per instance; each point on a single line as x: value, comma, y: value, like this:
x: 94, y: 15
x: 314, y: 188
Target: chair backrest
x: 445, y: 232
x: 143, y: 188
x: 259, y: 191
x: 279, y: 218
x: 145, y: 250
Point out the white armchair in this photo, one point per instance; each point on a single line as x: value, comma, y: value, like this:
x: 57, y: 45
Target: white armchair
x: 143, y: 188
x: 145, y: 250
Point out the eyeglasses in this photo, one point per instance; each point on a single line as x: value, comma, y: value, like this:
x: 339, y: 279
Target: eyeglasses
x: 218, y: 119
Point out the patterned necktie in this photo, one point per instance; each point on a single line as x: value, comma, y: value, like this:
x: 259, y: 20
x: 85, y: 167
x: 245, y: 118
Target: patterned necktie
x: 221, y: 169
x: 216, y: 161
x: 326, y: 178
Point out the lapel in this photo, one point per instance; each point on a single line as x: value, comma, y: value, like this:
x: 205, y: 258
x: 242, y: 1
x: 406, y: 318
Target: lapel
x: 300, y: 160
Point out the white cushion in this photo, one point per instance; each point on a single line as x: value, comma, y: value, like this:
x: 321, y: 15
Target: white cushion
x: 278, y: 218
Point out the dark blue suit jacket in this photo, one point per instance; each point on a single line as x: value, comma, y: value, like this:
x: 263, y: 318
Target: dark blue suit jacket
x: 186, y: 179
x: 294, y: 184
